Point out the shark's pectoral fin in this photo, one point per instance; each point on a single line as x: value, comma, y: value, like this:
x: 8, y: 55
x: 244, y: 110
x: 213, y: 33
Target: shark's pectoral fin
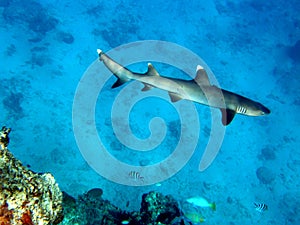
x: 174, y: 97
x: 227, y: 116
x: 119, y: 82
x: 151, y: 70
x: 147, y: 87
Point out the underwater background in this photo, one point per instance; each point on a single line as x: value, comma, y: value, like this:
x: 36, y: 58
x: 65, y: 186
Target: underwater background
x: 253, y: 49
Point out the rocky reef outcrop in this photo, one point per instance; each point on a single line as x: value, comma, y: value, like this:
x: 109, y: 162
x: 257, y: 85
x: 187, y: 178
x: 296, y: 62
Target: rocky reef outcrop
x: 29, y: 198
x: 158, y: 209
x: 26, y: 197
x: 90, y: 208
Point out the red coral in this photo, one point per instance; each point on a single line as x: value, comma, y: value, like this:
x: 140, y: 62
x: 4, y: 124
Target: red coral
x: 26, y: 218
x: 6, y: 215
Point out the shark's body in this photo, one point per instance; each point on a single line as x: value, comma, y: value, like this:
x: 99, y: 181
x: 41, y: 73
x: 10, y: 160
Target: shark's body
x: 198, y: 90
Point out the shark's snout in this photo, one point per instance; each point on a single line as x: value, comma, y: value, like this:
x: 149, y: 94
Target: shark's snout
x: 257, y: 109
x: 264, y: 110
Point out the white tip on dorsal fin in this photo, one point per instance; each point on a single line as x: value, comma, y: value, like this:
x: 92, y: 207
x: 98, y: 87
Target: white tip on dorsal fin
x: 201, y: 76
x: 198, y: 67
x: 151, y: 70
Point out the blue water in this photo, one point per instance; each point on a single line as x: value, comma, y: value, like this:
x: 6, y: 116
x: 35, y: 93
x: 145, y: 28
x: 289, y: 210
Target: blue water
x: 252, y: 47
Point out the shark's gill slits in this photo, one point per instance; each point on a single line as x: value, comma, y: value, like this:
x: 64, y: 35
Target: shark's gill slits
x: 241, y: 109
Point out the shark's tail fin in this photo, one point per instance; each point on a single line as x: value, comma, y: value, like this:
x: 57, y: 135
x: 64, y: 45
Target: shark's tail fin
x: 119, y: 82
x: 119, y: 71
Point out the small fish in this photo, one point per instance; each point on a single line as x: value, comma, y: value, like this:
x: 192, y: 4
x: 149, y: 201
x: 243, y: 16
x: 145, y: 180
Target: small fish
x: 135, y: 175
x: 158, y: 184
x: 201, y: 202
x: 125, y: 222
x: 195, y: 218
x: 260, y: 207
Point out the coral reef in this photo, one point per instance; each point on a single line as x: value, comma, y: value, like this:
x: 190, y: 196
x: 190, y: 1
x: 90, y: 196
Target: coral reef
x: 265, y: 175
x: 12, y: 103
x: 39, y: 56
x: 175, y: 128
x: 30, y: 13
x: 158, y: 209
x: 10, y: 50
x: 291, y: 202
x: 90, y: 208
x: 71, y: 211
x: 116, y: 145
x: 12, y: 92
x: 267, y: 153
x: 4, y: 138
x: 120, y: 29
x: 5, y: 215
x: 294, y: 51
x: 65, y: 37
x: 26, y: 197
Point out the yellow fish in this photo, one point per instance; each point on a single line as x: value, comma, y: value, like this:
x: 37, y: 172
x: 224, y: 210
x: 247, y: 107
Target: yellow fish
x: 195, y: 217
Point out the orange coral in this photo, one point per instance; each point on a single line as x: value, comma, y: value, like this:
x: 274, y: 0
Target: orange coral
x: 6, y: 215
x: 26, y: 218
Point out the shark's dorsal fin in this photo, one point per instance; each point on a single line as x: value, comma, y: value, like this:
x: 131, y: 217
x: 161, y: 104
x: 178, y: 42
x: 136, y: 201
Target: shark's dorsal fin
x: 201, y: 76
x: 227, y: 116
x: 147, y: 87
x: 151, y: 70
x: 174, y: 97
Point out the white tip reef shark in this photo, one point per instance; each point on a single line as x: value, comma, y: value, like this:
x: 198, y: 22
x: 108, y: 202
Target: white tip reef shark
x: 198, y: 90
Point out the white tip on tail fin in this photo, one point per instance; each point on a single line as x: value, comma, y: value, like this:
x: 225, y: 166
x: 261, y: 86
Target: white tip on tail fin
x: 99, y: 51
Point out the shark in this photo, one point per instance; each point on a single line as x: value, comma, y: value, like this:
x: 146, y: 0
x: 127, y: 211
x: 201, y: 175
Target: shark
x: 199, y: 89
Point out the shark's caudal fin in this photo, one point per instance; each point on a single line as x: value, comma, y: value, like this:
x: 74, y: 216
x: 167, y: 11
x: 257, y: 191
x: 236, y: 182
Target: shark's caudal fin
x: 119, y: 82
x: 117, y: 69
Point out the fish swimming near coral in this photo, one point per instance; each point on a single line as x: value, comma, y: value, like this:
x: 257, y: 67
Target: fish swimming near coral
x: 201, y: 202
x: 260, y: 207
x: 195, y: 218
x: 198, y: 90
